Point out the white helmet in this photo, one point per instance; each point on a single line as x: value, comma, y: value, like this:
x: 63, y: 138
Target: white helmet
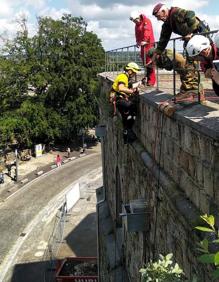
x: 216, y: 39
x: 196, y: 44
x: 134, y: 15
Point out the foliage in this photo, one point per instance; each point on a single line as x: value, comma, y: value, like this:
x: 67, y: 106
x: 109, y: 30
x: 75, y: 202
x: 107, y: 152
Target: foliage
x: 48, y: 83
x: 212, y: 238
x: 162, y: 271
x: 32, y: 121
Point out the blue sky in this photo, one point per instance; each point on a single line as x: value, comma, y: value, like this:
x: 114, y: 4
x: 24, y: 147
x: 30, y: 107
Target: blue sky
x: 108, y: 19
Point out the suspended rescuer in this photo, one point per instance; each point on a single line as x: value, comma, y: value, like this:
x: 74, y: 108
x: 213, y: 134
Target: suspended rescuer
x: 145, y: 40
x: 182, y: 22
x: 122, y: 96
x: 201, y: 48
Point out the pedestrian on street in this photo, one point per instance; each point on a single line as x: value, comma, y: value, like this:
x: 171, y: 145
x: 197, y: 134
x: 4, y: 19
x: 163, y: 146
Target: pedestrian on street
x: 68, y: 152
x: 58, y: 160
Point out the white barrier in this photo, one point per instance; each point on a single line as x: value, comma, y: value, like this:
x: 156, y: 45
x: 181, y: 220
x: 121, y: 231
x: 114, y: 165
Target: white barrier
x: 72, y: 197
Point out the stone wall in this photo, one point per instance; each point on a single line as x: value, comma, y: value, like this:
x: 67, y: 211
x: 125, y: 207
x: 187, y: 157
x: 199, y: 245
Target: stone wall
x: 174, y: 166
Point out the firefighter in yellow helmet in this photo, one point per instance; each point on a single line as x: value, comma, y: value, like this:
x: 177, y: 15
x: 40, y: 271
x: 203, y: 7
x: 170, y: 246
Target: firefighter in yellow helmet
x: 122, y: 96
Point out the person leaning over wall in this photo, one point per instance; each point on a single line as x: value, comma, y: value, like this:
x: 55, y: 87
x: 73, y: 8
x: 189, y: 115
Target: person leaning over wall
x: 182, y: 22
x: 145, y: 40
x: 202, y: 49
x: 189, y: 80
x: 122, y: 96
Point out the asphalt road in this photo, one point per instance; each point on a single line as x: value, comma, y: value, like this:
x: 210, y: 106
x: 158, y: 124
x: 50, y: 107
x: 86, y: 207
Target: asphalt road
x: 19, y: 210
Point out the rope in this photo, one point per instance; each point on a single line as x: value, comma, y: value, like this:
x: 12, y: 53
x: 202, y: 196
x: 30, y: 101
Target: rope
x: 158, y: 182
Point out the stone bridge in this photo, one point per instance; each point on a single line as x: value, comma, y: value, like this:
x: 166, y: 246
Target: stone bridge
x: 174, y: 167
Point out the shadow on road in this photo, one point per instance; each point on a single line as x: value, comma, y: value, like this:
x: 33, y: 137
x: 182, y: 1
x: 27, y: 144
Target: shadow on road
x: 83, y: 238
x: 34, y: 272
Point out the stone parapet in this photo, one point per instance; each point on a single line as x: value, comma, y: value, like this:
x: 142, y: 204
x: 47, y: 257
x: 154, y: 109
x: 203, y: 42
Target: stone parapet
x: 174, y: 166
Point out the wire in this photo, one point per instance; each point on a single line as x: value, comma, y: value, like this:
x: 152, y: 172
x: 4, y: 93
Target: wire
x: 158, y: 183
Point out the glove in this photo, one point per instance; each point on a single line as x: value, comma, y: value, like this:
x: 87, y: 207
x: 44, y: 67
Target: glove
x: 143, y: 43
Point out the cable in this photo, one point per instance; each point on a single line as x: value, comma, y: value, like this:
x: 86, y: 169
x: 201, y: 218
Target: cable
x: 158, y: 186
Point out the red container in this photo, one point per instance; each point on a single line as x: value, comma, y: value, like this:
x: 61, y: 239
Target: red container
x: 66, y: 269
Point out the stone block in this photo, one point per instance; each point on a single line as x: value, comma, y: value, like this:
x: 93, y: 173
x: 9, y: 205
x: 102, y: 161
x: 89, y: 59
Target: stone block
x: 65, y: 161
x: 82, y: 155
x: 177, y: 151
x: 184, y: 160
x: 72, y: 158
x: 175, y: 134
x: 112, y: 252
x: 39, y: 172
x: 186, y: 139
x: 195, y: 145
x: 53, y: 166
x: 208, y: 180
x: 216, y: 184
x: 195, y: 196
x: 192, y: 167
x: 204, y: 202
x: 205, y: 149
x: 199, y: 173
x: 25, y: 180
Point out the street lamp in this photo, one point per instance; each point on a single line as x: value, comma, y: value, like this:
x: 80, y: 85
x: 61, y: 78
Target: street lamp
x: 16, y: 162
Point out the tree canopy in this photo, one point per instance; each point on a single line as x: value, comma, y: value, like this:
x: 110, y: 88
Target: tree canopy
x: 48, y: 82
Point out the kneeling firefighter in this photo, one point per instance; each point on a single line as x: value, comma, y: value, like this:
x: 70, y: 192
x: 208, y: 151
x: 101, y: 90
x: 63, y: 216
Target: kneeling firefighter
x: 123, y: 96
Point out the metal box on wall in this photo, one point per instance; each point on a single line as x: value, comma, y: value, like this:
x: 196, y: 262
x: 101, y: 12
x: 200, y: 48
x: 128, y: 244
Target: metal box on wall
x: 100, y: 131
x: 135, y: 216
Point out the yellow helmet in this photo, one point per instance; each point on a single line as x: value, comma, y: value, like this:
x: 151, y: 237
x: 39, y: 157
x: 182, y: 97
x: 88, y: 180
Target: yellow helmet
x: 132, y: 66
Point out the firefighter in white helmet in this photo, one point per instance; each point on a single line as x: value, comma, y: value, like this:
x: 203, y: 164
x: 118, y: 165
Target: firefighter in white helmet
x: 122, y: 96
x: 206, y: 51
x: 216, y: 39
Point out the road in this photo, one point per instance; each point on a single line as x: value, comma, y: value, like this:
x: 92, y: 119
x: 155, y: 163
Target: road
x: 21, y: 209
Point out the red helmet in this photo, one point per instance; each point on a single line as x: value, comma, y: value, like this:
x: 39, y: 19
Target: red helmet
x: 157, y: 8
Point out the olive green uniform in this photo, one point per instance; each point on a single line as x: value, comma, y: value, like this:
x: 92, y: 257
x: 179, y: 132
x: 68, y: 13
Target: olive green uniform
x: 189, y: 78
x: 182, y: 22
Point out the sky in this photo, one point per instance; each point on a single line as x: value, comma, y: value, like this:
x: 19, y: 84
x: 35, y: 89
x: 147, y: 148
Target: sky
x: 108, y: 19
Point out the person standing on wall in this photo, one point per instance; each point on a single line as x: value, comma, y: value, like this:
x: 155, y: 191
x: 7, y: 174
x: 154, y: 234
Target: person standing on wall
x: 145, y: 40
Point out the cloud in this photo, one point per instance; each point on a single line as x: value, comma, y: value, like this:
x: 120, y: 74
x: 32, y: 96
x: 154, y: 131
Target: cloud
x: 53, y: 12
x: 108, y: 19
x: 107, y: 4
x: 36, y: 4
x: 6, y: 9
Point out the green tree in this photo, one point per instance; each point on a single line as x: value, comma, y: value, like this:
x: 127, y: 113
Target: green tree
x: 208, y: 255
x: 50, y: 80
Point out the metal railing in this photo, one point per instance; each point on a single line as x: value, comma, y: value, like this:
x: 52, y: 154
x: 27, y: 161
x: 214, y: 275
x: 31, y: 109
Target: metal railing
x: 116, y: 59
x: 54, y: 243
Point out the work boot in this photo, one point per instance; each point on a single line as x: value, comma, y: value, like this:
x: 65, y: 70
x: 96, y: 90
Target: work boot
x: 131, y: 137
x: 125, y: 136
